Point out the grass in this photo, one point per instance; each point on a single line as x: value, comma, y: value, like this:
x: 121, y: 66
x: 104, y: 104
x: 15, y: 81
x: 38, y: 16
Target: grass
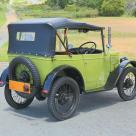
x: 2, y: 14
x: 3, y: 53
x: 43, y: 10
x: 24, y: 1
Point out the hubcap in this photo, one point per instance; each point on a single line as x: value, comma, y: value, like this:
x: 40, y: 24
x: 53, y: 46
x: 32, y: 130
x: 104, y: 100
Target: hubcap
x: 22, y: 74
x: 129, y: 85
x: 64, y: 98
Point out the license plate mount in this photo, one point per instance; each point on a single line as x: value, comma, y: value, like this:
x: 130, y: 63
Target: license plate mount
x: 19, y: 86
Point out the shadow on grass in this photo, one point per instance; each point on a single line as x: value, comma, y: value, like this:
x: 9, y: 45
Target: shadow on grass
x: 88, y: 103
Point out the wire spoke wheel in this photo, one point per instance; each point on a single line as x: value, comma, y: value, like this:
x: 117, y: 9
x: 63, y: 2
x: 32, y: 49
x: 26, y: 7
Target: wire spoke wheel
x: 17, y: 98
x: 21, y: 69
x: 127, y: 84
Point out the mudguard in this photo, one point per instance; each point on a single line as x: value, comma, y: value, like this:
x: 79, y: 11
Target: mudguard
x: 52, y: 76
x: 4, y: 77
x: 115, y: 75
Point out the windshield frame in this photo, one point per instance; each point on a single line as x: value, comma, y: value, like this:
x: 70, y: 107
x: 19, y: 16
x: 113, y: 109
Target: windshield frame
x: 65, y: 41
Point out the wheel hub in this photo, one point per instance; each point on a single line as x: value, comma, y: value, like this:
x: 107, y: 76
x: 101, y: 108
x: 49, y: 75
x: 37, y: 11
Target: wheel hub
x: 128, y: 83
x: 24, y: 77
x: 63, y: 99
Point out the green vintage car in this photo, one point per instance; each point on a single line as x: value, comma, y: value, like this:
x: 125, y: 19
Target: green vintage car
x: 59, y: 59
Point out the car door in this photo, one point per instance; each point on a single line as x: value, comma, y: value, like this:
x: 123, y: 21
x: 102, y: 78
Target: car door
x: 97, y: 67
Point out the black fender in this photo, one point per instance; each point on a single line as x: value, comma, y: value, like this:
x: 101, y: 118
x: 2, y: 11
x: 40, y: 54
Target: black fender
x: 55, y: 73
x: 4, y: 77
x: 115, y: 75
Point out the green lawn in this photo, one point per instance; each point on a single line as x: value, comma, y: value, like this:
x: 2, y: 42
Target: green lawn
x: 2, y: 14
x: 2, y: 19
x: 43, y: 10
x: 3, y: 53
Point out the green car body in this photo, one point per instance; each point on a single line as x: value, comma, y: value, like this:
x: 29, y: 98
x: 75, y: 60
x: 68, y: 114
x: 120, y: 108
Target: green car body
x: 94, y: 68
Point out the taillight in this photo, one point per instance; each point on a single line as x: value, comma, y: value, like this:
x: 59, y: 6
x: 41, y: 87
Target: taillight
x: 44, y: 91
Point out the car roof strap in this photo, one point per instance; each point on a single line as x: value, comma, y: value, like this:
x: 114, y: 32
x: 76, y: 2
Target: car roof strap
x: 65, y: 37
x: 63, y: 43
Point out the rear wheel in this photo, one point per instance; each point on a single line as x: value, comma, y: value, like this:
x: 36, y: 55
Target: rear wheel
x: 64, y: 98
x: 127, y: 84
x: 15, y: 100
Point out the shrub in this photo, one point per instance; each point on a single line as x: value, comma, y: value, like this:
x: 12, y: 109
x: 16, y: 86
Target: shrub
x: 58, y: 3
x: 112, y: 7
x: 134, y: 13
x: 62, y: 3
x: 130, y: 7
x: 72, y: 7
x: 89, y: 3
x: 83, y: 12
x: 70, y: 2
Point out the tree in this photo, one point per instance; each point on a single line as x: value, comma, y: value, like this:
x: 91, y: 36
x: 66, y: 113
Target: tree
x: 58, y: 3
x: 112, y: 7
x: 62, y: 3
x: 130, y: 7
x: 52, y: 3
x: 89, y: 3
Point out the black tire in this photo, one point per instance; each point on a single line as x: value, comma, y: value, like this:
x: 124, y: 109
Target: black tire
x: 123, y: 85
x: 13, y: 103
x: 35, y: 75
x: 73, y: 88
x: 39, y: 97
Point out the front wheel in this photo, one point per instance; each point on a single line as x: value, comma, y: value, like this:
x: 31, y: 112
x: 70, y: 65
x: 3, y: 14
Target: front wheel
x: 127, y: 84
x: 63, y: 98
x: 15, y: 100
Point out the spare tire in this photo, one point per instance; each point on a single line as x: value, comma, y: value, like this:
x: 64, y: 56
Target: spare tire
x: 23, y: 70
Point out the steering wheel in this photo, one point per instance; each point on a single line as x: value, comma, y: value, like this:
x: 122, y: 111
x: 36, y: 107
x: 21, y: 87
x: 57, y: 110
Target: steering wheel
x: 91, y: 49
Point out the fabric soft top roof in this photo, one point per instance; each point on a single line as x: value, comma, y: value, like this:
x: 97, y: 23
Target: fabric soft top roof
x: 60, y: 23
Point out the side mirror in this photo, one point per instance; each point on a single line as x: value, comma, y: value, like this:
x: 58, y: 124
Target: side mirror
x: 109, y: 38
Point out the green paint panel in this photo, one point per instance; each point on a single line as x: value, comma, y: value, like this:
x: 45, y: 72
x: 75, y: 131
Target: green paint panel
x: 95, y: 68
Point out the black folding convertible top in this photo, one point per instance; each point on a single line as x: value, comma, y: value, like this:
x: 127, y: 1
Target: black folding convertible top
x: 60, y: 23
x: 43, y: 31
